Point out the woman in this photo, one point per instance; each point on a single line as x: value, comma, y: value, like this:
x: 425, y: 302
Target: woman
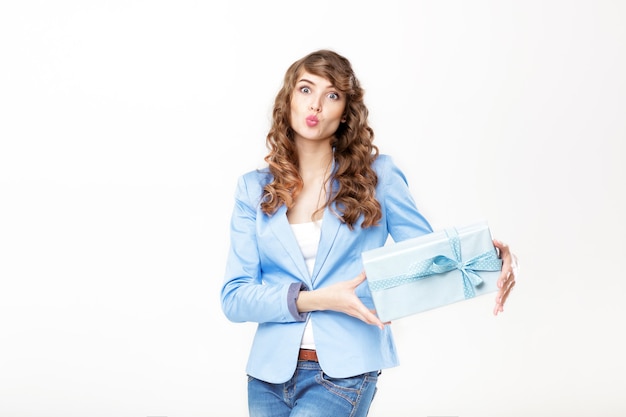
x: 298, y: 229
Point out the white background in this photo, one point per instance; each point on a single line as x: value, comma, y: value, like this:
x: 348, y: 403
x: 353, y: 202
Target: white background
x: 123, y: 128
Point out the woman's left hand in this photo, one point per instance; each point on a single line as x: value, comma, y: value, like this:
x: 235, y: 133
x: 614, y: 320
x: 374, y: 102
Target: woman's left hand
x: 506, y: 282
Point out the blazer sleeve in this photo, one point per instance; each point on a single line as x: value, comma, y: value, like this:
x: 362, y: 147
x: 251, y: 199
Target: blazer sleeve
x: 403, y: 219
x: 244, y: 295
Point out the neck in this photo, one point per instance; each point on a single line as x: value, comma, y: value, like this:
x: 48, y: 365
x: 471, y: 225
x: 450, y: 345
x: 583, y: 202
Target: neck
x: 315, y: 160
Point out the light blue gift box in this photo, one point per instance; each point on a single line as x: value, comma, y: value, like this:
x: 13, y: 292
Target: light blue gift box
x: 432, y: 270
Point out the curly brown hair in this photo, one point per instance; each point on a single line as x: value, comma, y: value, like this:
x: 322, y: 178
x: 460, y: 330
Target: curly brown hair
x: 354, y: 179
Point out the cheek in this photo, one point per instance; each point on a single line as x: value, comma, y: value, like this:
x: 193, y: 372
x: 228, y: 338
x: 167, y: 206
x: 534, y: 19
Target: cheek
x: 293, y: 108
x: 336, y: 112
x: 297, y: 101
x: 337, y: 109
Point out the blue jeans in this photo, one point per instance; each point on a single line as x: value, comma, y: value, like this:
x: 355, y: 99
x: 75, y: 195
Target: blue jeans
x: 311, y: 393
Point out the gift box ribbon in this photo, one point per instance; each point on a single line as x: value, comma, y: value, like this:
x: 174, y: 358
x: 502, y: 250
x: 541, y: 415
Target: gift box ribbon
x: 486, y: 261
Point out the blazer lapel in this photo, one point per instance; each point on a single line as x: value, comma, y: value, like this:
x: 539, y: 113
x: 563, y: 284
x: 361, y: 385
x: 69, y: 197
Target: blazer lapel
x: 330, y: 227
x: 282, y: 230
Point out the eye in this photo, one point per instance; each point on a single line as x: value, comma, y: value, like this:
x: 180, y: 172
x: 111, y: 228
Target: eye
x: 333, y: 96
x: 305, y: 90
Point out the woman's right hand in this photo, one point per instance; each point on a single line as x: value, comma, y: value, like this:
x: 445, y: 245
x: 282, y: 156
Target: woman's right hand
x: 339, y: 297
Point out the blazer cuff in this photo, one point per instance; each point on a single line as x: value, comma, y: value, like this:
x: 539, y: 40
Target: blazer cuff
x: 292, y: 296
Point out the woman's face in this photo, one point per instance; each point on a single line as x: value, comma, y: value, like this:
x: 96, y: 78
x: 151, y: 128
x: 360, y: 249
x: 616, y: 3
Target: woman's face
x: 317, y: 108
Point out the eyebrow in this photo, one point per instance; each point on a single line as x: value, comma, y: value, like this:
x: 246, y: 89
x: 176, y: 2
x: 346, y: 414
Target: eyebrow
x: 311, y: 82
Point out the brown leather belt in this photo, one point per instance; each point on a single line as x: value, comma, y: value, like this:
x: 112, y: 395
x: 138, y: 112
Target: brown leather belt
x: 307, y: 355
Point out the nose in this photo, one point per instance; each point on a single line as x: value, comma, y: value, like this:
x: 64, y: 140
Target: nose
x: 315, y: 106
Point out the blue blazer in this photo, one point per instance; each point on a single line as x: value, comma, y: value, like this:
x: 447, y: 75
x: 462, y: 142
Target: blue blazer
x: 264, y: 259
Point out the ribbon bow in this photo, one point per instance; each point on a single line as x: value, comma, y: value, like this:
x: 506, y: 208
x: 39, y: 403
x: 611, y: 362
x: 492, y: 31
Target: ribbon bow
x: 487, y: 261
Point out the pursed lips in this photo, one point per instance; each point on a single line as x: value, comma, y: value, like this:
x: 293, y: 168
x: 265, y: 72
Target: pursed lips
x: 312, y: 120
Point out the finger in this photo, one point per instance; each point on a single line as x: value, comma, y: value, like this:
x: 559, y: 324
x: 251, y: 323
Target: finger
x: 505, y: 255
x: 502, y: 296
x: 509, y: 281
x: 499, y: 306
x: 507, y: 292
x: 506, y: 275
x: 503, y: 278
x: 360, y: 278
x: 375, y: 320
x: 510, y: 268
x: 504, y: 291
x: 375, y: 314
x: 502, y: 250
x: 497, y: 309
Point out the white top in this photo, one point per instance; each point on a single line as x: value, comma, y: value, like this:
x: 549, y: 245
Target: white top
x: 308, y: 237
